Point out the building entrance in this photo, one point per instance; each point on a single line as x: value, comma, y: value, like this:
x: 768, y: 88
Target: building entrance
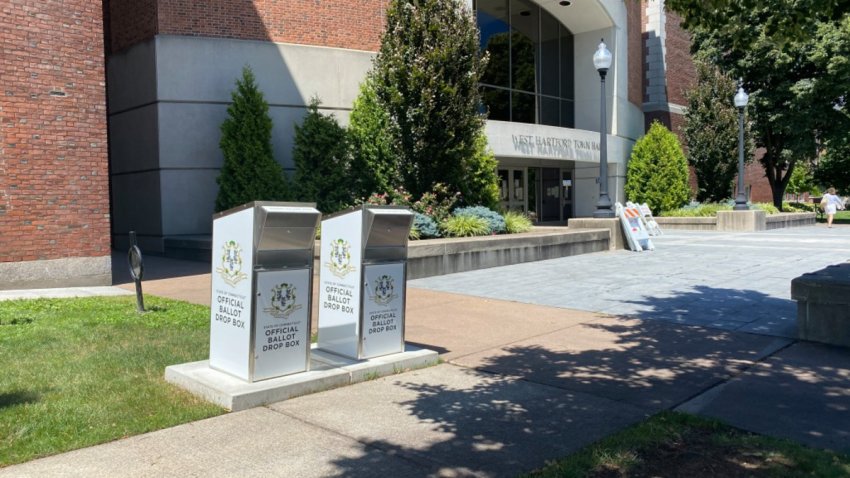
x: 546, y: 194
x: 513, y: 189
x: 556, y: 194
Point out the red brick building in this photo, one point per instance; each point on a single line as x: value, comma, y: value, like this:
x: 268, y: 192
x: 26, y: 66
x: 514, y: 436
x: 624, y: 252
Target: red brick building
x: 166, y: 68
x: 54, y: 170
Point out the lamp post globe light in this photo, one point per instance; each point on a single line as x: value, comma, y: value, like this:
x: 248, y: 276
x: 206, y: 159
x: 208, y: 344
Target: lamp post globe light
x: 741, y: 99
x: 602, y: 61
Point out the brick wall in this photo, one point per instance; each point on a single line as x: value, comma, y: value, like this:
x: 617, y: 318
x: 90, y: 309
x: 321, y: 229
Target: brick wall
x: 681, y: 73
x: 129, y: 22
x: 351, y: 24
x: 54, y: 191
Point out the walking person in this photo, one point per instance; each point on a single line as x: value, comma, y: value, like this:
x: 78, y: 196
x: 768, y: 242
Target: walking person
x: 832, y: 204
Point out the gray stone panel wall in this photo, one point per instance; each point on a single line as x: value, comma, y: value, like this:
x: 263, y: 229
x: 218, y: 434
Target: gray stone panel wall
x: 131, y: 77
x: 169, y: 97
x: 69, y: 272
x: 188, y: 197
x: 137, y: 206
x: 134, y: 140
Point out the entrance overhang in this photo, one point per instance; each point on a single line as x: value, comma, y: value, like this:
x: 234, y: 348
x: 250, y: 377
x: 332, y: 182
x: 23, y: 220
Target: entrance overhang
x: 534, y: 141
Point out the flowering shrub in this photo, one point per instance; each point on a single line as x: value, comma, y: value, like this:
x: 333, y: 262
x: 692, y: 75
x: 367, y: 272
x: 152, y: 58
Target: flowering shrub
x: 438, y: 203
x: 395, y: 197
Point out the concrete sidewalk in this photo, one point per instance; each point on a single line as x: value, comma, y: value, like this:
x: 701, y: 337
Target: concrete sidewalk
x: 523, y: 383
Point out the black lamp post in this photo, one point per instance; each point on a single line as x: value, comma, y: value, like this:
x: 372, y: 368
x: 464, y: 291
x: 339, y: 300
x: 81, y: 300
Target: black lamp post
x: 602, y: 61
x: 741, y: 99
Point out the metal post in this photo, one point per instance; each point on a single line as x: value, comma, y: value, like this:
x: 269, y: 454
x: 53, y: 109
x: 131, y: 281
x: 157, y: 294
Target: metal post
x: 603, y: 206
x: 137, y: 270
x: 741, y: 197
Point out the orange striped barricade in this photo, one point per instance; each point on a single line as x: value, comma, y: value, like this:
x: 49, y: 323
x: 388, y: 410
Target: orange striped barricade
x: 634, y: 229
x: 651, y: 225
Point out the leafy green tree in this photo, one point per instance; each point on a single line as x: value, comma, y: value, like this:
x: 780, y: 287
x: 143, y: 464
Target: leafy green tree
x: 321, y: 161
x: 798, y: 89
x: 783, y: 21
x: 711, y: 133
x: 374, y: 163
x: 249, y: 172
x: 833, y: 169
x: 802, y: 180
x: 426, y: 78
x: 657, y: 173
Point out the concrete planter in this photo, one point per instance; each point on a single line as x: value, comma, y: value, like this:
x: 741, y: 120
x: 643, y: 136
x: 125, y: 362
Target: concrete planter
x: 687, y: 223
x: 748, y: 221
x: 823, y: 305
x: 434, y: 257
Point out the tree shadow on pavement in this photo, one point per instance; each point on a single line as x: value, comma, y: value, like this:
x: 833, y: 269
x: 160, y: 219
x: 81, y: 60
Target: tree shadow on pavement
x: 727, y: 309
x: 510, y: 409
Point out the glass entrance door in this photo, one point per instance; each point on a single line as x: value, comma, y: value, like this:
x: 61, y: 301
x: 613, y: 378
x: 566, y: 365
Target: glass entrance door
x: 550, y: 195
x: 567, y: 194
x: 513, y: 185
x: 553, y: 194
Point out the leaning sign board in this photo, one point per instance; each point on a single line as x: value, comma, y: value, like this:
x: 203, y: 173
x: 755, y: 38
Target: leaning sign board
x: 634, y: 229
x: 262, y: 289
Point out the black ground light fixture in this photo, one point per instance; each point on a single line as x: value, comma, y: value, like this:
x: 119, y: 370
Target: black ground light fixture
x: 602, y: 61
x: 565, y: 3
x: 137, y: 270
x: 741, y: 99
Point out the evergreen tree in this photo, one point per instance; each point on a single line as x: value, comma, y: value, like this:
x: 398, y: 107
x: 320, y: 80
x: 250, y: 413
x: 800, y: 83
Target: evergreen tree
x: 321, y: 161
x: 426, y: 79
x: 250, y: 172
x: 374, y: 164
x: 711, y: 133
x: 658, y: 172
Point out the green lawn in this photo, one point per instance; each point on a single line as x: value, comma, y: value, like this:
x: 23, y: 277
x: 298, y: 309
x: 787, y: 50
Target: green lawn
x: 841, y: 217
x: 677, y: 444
x: 78, y: 372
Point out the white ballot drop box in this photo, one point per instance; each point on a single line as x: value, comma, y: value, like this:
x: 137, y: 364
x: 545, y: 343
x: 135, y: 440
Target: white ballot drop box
x: 362, y: 282
x: 262, y: 278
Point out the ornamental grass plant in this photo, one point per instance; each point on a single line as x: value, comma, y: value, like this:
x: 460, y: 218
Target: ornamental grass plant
x: 516, y: 222
x: 466, y: 226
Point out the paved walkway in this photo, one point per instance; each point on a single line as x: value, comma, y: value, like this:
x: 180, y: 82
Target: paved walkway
x: 728, y: 281
x: 533, y: 371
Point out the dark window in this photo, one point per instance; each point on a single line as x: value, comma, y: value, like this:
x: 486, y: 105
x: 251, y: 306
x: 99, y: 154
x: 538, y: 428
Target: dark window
x: 549, y: 53
x: 550, y: 111
x: 525, y: 18
x: 523, y: 108
x: 531, y: 63
x: 498, y: 102
x: 494, y: 24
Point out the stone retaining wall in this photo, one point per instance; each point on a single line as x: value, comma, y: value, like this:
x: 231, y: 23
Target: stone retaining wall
x: 687, y: 223
x: 790, y: 219
x: 772, y: 221
x: 446, y: 256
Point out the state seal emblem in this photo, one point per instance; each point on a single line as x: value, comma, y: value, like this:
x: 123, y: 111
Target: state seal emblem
x: 340, y: 258
x: 282, y: 301
x: 384, y: 291
x: 231, y: 264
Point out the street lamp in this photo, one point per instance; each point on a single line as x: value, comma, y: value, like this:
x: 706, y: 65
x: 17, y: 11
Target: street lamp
x: 602, y: 61
x: 741, y: 99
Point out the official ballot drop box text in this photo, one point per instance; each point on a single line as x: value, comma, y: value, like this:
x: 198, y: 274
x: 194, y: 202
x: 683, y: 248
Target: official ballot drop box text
x: 262, y: 275
x: 362, y: 282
